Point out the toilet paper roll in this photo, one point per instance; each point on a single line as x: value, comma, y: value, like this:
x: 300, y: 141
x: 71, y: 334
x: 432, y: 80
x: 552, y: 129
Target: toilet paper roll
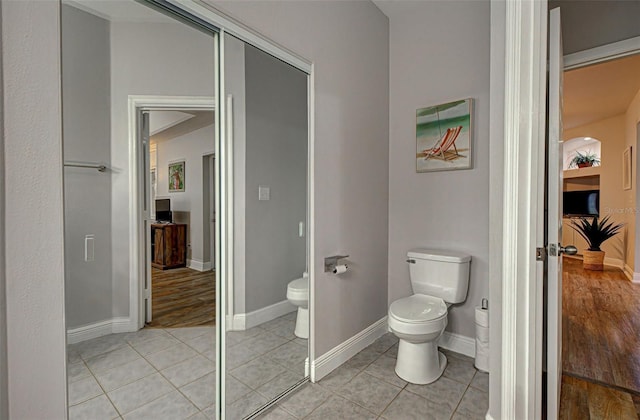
x: 482, y: 339
x: 482, y: 334
x: 340, y: 269
x: 482, y: 356
x: 482, y: 317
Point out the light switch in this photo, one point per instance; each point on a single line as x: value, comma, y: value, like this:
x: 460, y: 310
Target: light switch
x: 89, y: 247
x: 264, y: 193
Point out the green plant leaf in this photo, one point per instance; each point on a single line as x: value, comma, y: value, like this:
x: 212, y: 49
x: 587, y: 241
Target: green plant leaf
x: 594, y: 232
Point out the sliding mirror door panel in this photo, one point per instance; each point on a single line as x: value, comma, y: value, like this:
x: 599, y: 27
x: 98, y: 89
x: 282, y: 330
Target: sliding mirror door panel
x: 140, y: 279
x: 267, y: 296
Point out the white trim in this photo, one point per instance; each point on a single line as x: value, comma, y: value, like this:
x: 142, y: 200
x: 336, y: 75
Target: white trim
x: 603, y: 53
x: 234, y: 27
x: 199, y: 265
x: 98, y: 329
x: 136, y: 270
x: 525, y: 88
x: 344, y: 351
x: 458, y: 343
x: 260, y: 316
x: 311, y: 226
x: 231, y: 239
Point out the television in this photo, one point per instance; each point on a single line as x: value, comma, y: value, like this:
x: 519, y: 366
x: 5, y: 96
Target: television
x: 163, y: 210
x: 581, y: 203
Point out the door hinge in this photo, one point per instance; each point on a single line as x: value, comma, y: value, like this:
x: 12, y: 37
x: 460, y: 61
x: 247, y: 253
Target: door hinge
x: 541, y: 254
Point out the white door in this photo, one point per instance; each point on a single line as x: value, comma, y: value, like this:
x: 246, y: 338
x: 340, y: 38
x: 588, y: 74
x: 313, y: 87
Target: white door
x: 554, y: 221
x: 143, y: 136
x: 212, y: 210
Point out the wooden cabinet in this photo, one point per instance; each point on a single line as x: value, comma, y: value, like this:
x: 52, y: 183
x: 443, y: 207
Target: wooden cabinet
x: 168, y: 245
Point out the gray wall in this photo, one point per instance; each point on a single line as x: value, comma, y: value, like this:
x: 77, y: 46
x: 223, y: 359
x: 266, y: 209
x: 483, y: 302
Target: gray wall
x: 496, y: 177
x: 276, y: 156
x: 86, y: 125
x: 4, y: 402
x: 33, y: 239
x: 351, y: 149
x: 235, y: 86
x: 449, y: 209
x: 147, y: 59
x: 588, y: 24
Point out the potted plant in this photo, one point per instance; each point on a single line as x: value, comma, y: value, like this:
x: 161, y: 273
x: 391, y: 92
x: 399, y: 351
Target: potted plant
x: 595, y: 233
x: 583, y: 160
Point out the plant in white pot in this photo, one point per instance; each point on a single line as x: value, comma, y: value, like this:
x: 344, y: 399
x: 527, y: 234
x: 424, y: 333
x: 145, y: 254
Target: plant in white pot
x: 595, y: 233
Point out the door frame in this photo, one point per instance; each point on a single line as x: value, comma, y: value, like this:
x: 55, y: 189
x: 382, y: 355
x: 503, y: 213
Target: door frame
x: 137, y: 235
x: 518, y: 104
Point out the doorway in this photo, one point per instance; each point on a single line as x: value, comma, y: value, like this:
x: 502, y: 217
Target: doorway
x: 179, y: 283
x: 600, y: 329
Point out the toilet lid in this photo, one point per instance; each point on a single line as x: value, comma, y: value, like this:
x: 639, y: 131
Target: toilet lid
x: 299, y: 285
x: 418, y: 308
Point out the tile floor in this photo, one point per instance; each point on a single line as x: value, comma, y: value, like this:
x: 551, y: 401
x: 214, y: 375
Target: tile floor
x: 170, y: 374
x: 366, y: 387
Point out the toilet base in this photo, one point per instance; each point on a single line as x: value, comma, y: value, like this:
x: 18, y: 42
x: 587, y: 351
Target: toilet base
x: 302, y: 323
x: 420, y: 363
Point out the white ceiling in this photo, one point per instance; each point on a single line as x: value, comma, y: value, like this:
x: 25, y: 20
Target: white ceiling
x: 163, y: 120
x: 119, y: 10
x: 600, y: 91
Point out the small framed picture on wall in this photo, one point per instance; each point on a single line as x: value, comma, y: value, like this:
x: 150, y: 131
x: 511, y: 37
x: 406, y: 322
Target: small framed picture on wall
x: 176, y: 176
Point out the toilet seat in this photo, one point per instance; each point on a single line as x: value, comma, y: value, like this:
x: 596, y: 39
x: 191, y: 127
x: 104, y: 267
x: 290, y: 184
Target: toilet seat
x: 418, y: 309
x: 298, y: 289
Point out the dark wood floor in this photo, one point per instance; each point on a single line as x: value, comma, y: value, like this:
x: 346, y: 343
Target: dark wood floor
x: 601, y: 344
x: 183, y: 297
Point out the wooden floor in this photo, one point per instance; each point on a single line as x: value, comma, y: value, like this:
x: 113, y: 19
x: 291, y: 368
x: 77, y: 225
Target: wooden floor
x: 183, y: 297
x: 601, y: 344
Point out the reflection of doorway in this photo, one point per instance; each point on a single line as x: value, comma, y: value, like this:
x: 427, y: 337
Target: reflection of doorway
x: 601, y: 335
x: 177, y: 286
x: 182, y: 280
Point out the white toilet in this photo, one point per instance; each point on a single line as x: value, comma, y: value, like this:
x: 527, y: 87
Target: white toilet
x: 438, y: 279
x: 298, y: 295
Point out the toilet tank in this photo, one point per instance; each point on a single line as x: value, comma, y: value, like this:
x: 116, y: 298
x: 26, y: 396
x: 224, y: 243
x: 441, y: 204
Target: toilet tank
x: 443, y: 274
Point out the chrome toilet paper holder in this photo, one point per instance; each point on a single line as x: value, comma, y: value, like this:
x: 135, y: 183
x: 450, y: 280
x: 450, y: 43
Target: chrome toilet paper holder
x: 330, y: 263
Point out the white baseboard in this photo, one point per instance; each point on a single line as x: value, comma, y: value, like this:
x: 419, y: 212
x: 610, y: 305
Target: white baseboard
x: 98, y: 329
x: 199, y: 265
x: 241, y: 322
x: 458, y: 343
x: 614, y: 262
x: 630, y: 275
x: 329, y: 361
x: 488, y: 416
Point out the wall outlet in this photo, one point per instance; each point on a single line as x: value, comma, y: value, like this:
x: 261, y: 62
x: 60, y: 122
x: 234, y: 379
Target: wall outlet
x: 264, y: 193
x: 89, y: 247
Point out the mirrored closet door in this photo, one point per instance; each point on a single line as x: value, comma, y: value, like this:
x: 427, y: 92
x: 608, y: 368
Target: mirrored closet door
x: 267, y: 297
x: 138, y: 92
x: 186, y: 216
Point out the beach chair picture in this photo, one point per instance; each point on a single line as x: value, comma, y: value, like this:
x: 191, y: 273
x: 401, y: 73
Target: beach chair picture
x: 443, y: 137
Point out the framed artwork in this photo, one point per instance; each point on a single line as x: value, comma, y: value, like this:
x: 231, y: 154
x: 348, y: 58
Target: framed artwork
x: 626, y: 169
x: 443, y: 136
x: 176, y: 176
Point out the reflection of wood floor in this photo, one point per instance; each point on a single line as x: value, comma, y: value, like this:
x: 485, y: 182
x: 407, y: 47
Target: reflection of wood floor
x: 183, y: 297
x: 601, y: 343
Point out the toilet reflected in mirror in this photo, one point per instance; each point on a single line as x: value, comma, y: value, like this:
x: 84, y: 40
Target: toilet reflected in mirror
x: 298, y: 295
